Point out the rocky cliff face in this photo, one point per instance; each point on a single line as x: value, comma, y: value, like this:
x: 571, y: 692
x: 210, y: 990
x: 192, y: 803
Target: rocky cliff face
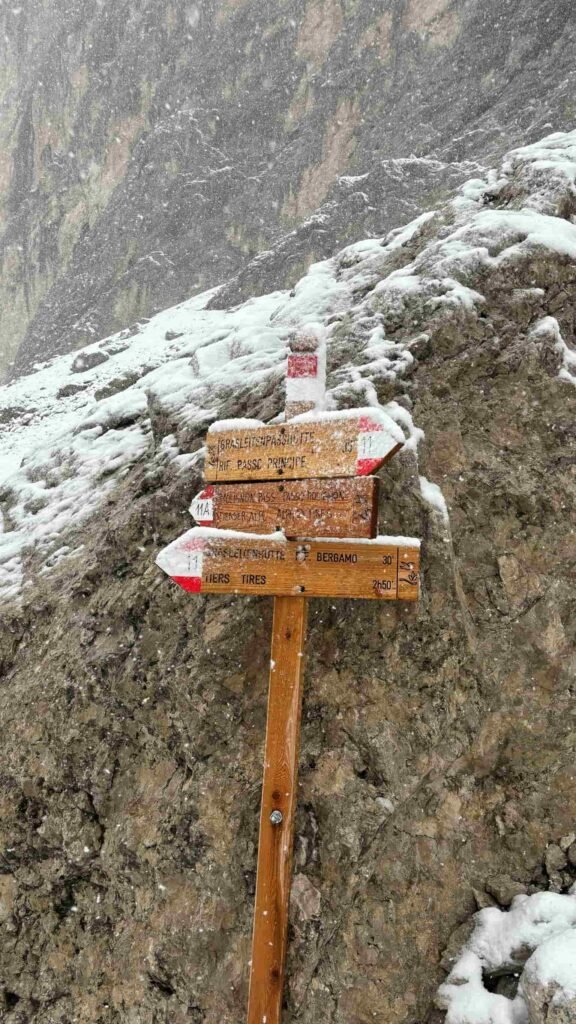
x: 152, y: 150
x: 437, y: 766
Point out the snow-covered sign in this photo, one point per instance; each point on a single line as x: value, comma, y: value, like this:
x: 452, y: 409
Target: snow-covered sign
x: 301, y: 508
x: 222, y: 562
x: 330, y: 444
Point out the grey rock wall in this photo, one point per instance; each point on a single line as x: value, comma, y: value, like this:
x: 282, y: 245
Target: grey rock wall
x: 151, y: 150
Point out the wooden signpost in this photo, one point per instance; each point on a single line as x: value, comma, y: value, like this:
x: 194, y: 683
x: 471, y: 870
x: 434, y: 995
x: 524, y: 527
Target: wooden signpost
x: 301, y: 508
x: 205, y: 562
x: 330, y: 512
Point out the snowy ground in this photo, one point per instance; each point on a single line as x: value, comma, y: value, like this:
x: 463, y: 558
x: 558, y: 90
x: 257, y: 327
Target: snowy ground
x: 71, y: 429
x: 61, y: 453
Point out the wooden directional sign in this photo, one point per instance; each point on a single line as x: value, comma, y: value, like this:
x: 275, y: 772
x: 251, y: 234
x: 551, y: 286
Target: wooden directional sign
x: 301, y: 508
x: 309, y: 479
x: 353, y: 443
x: 215, y: 562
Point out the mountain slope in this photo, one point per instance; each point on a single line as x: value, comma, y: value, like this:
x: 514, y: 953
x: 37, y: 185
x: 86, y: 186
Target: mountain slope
x: 438, y: 741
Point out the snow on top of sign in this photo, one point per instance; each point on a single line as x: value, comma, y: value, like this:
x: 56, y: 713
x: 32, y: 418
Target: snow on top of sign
x: 72, y: 430
x: 390, y: 541
x: 372, y: 413
x: 219, y: 426
x: 210, y: 533
x: 500, y: 941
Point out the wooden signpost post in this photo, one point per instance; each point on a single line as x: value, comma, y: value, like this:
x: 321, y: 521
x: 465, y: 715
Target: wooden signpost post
x: 311, y: 536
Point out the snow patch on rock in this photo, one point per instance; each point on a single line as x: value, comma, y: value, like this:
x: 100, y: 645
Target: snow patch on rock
x: 546, y: 329
x: 548, y: 982
x: 433, y: 496
x: 533, y: 937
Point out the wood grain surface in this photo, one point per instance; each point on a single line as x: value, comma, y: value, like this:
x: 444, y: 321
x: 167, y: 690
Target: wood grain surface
x: 278, y: 794
x: 315, y: 568
x: 292, y: 451
x: 302, y: 508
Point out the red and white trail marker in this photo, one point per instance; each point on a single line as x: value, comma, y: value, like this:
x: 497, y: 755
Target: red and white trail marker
x: 202, y: 507
x: 303, y: 381
x: 306, y: 371
x: 375, y: 444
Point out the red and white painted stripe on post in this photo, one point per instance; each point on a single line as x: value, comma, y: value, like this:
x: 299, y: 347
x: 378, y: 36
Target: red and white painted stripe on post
x: 306, y: 378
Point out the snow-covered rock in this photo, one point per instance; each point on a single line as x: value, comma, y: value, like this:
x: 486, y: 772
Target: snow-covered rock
x: 548, y: 983
x: 536, y: 941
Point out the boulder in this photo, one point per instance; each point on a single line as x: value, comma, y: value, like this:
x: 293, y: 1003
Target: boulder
x: 88, y: 360
x: 548, y: 982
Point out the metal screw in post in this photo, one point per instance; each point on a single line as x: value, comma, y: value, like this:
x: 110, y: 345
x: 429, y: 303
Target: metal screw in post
x: 276, y: 817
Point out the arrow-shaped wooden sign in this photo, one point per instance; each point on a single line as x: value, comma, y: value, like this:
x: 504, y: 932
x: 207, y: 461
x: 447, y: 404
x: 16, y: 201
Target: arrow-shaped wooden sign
x: 344, y: 507
x: 205, y: 561
x: 332, y: 444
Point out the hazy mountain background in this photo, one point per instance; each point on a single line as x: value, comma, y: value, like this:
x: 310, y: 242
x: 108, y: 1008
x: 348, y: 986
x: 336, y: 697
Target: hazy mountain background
x: 149, y: 151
